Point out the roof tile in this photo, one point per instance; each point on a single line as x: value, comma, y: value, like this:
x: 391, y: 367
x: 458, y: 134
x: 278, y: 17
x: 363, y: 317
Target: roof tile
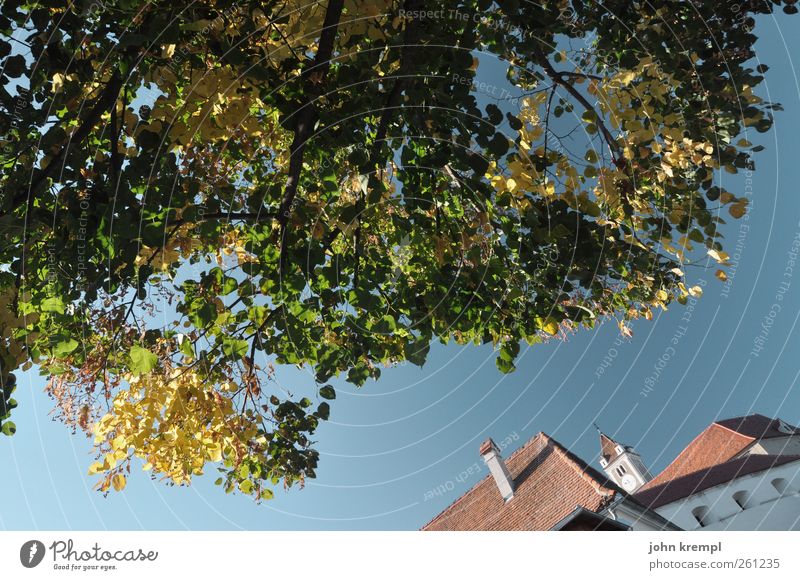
x: 682, y: 487
x: 549, y: 482
x: 719, y: 442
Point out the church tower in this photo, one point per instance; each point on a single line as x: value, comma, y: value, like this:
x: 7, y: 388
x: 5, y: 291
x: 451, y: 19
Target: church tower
x: 622, y: 464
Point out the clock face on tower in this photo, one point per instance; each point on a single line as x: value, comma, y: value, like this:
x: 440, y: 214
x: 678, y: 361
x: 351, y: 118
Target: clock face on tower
x: 628, y: 482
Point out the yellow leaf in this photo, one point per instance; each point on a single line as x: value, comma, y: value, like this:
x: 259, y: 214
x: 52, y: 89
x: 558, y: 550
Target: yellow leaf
x: 118, y: 481
x: 720, y: 257
x: 721, y: 275
x: 695, y: 291
x: 214, y: 453
x: 626, y: 77
x: 550, y: 326
x: 58, y: 82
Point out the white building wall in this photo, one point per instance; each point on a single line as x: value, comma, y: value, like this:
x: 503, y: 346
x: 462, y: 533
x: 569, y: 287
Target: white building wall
x: 771, y: 502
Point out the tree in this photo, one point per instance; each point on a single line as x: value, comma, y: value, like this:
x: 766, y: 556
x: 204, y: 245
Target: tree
x: 322, y: 184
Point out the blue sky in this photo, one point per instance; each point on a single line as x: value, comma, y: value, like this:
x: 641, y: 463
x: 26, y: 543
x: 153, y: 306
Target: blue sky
x: 398, y: 451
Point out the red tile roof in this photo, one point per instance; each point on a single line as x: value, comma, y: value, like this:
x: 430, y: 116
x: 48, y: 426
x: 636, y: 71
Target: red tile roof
x: 549, y: 483
x: 608, y: 447
x: 720, y: 442
x: 659, y: 495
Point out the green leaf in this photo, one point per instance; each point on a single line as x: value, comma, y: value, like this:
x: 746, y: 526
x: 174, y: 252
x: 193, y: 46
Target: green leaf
x: 8, y: 428
x: 14, y: 66
x: 498, y: 144
x: 495, y: 114
x: 416, y: 352
x: 504, y: 366
x: 477, y: 163
x: 323, y: 411
x: 234, y: 348
x: 327, y: 392
x: 53, y: 304
x: 64, y: 347
x: 142, y: 360
x: 187, y: 348
x: 229, y: 285
x: 202, y: 313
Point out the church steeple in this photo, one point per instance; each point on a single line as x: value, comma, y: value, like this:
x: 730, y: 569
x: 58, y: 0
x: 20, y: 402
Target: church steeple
x: 622, y: 464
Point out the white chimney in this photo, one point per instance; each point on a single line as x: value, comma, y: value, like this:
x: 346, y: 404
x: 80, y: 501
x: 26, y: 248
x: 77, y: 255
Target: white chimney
x: 491, y: 455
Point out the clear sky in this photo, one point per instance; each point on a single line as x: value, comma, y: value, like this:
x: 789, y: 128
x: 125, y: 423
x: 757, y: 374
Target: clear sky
x: 398, y: 451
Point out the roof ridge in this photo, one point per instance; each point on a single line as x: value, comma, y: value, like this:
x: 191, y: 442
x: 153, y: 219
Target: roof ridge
x: 570, y: 459
x: 718, y: 424
x: 745, y: 417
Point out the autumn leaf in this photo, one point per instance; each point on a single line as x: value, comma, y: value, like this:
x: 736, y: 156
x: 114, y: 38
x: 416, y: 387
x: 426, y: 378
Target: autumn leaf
x: 718, y: 255
x: 118, y: 481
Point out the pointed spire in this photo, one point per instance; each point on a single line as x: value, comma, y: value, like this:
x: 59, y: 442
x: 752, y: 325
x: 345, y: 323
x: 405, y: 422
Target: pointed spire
x: 607, y: 447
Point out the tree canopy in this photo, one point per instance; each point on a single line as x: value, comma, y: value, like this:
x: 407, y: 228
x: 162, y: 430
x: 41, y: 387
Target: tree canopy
x: 193, y: 193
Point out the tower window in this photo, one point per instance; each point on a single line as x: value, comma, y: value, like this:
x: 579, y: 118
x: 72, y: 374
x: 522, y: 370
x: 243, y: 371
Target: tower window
x: 621, y: 470
x: 619, y: 450
x: 740, y: 497
x: 780, y: 485
x: 700, y: 514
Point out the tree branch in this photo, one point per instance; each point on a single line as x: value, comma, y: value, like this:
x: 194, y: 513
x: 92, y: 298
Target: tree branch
x: 616, y: 153
x: 410, y: 40
x: 307, y: 115
x: 558, y: 78
x: 101, y: 105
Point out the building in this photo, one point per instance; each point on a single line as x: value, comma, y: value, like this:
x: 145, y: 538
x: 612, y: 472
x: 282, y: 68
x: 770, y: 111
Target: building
x: 544, y: 486
x: 738, y: 474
